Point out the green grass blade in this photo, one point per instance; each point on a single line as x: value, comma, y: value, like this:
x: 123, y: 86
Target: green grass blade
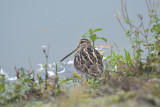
x: 66, y: 80
x: 116, y: 46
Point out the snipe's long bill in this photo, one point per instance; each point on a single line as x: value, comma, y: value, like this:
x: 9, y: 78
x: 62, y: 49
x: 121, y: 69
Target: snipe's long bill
x: 87, y: 60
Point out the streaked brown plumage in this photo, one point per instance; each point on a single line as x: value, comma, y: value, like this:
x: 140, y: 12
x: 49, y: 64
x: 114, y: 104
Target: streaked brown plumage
x: 87, y: 60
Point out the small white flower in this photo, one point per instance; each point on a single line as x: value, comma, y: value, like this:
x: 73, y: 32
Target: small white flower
x: 103, y: 59
x: 154, y: 52
x: 44, y: 47
x: 115, y: 67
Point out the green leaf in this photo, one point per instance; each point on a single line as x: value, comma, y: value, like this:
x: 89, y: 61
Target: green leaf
x: 38, y: 76
x: 85, y: 35
x: 66, y: 80
x: 128, y: 21
x: 113, y: 53
x: 104, y: 39
x: 150, y: 15
x: 21, y: 76
x: 109, y: 56
x: 155, y: 19
x: 156, y: 37
x: 90, y: 81
x: 39, y: 81
x: 156, y: 28
x: 102, y: 56
x: 96, y: 30
x: 90, y: 31
x: 2, y: 87
x: 157, y: 45
x: 125, y: 51
x: 79, y: 77
x: 93, y: 37
x: 139, y: 51
x: 44, y: 66
x: 128, y: 33
x: 28, y: 80
x: 146, y: 30
x: 2, y: 75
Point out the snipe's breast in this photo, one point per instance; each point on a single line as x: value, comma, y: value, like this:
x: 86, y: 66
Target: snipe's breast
x: 88, y: 60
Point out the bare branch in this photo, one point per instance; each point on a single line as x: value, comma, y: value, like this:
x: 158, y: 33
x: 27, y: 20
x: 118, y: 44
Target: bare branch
x: 153, y: 4
x: 122, y: 10
x: 140, y: 19
x: 147, y: 5
x: 120, y: 22
x: 48, y: 49
x: 158, y: 4
x: 150, y: 4
x: 125, y: 6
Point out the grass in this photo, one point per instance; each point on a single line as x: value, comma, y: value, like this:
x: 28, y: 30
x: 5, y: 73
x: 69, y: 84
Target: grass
x: 118, y: 91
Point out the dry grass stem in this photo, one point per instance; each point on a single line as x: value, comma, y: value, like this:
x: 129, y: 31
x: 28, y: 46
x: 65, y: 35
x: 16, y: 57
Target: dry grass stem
x: 104, y: 46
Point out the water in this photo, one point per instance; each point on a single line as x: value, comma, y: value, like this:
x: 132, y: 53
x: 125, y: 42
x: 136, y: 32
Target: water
x: 28, y: 25
x: 65, y: 70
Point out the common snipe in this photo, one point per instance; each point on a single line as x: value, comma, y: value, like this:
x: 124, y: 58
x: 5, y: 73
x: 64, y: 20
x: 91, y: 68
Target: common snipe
x: 87, y: 60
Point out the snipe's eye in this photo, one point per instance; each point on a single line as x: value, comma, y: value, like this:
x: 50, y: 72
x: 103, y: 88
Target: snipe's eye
x: 82, y: 42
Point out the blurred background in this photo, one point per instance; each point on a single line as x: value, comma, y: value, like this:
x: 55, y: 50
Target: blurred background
x: 27, y: 25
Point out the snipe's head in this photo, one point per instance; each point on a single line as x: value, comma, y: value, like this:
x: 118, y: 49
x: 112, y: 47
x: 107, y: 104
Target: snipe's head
x: 83, y: 43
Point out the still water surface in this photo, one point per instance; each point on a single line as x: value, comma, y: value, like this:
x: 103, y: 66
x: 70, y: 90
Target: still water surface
x: 27, y: 25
